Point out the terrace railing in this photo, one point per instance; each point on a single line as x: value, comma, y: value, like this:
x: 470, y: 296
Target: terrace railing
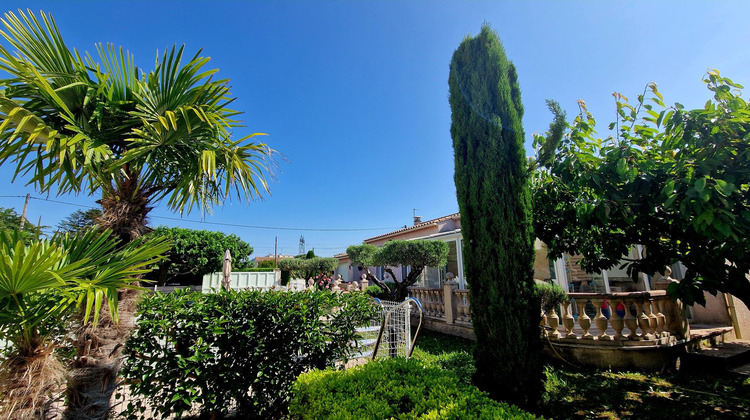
x: 620, y: 319
x: 449, y: 303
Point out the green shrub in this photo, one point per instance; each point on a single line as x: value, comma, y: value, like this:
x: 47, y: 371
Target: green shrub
x: 393, y: 388
x: 306, y: 269
x: 235, y: 349
x: 551, y: 295
x: 376, y: 292
x: 266, y: 264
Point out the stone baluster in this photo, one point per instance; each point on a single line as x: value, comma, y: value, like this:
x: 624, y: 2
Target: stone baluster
x: 652, y: 319
x: 441, y: 303
x: 630, y: 321
x: 425, y: 299
x: 601, y: 322
x: 661, y: 319
x: 615, y: 320
x: 543, y: 323
x: 642, y: 321
x: 584, y: 321
x: 433, y: 302
x: 568, y: 320
x: 554, y: 323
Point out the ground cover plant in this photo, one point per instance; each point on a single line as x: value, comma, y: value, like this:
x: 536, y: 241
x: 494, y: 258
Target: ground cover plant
x: 573, y: 392
x: 235, y: 352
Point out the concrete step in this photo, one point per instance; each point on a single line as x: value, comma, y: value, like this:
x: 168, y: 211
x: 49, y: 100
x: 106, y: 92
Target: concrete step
x: 743, y: 370
x: 726, y: 356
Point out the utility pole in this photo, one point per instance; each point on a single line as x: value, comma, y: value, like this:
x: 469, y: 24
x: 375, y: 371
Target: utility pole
x: 23, y: 215
x: 275, y: 254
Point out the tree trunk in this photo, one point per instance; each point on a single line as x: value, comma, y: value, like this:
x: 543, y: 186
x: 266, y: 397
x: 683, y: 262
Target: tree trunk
x: 93, y: 379
x: 125, y: 208
x: 27, y: 379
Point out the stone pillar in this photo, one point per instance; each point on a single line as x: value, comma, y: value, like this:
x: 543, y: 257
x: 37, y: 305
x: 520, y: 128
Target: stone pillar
x: 449, y: 301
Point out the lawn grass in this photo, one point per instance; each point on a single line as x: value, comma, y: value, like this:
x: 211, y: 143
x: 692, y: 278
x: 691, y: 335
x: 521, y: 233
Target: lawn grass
x: 581, y: 393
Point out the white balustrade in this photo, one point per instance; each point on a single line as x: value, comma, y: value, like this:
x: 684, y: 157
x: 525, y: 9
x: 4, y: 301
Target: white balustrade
x: 649, y: 318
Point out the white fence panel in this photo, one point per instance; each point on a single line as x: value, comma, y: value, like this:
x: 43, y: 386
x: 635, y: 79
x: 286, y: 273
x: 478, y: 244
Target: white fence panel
x: 243, y: 280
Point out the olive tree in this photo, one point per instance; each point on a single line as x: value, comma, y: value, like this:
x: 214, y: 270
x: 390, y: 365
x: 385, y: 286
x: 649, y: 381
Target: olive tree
x: 416, y: 254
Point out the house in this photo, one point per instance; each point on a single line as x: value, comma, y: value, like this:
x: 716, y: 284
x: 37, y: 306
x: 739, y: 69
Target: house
x: 596, y: 328
x: 565, y: 271
x: 270, y: 257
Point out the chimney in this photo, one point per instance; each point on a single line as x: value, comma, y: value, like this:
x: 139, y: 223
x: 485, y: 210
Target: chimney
x: 417, y: 219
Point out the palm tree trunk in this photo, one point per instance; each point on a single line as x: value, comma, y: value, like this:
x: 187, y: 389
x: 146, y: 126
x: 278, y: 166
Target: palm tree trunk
x: 94, y: 377
x: 125, y: 208
x: 29, y: 382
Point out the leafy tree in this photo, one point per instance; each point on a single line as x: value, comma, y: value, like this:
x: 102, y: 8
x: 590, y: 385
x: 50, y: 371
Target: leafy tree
x: 137, y: 137
x: 79, y: 220
x: 42, y: 285
x: 416, y: 254
x: 11, y: 221
x: 198, y: 252
x: 300, y: 268
x: 492, y: 188
x: 676, y: 181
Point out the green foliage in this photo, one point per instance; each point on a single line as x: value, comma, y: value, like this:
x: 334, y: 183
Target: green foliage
x: 79, y: 221
x: 135, y: 136
x: 310, y: 255
x: 416, y: 254
x: 634, y: 395
x: 492, y: 188
x: 673, y: 180
x: 11, y: 221
x: 363, y: 255
x: 257, y: 270
x: 266, y: 264
x: 396, y: 388
x: 551, y: 295
x: 212, y: 349
x: 378, y: 292
x: 198, y: 252
x: 307, y: 269
x: 42, y: 283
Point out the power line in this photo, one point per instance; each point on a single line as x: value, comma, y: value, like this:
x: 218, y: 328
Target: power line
x: 217, y: 223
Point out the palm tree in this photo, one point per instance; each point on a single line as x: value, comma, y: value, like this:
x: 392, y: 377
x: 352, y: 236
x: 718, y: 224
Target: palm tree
x: 71, y: 124
x: 41, y: 286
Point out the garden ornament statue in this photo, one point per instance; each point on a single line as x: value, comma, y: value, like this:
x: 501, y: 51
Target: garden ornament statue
x: 227, y: 270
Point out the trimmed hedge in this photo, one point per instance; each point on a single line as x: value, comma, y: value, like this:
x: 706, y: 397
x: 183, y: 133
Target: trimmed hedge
x: 393, y: 388
x: 236, y: 351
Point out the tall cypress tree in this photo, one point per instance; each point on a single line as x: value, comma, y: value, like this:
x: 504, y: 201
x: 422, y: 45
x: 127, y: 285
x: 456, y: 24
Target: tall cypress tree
x: 492, y: 187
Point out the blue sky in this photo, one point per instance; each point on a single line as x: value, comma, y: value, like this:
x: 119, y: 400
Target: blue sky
x: 355, y: 94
